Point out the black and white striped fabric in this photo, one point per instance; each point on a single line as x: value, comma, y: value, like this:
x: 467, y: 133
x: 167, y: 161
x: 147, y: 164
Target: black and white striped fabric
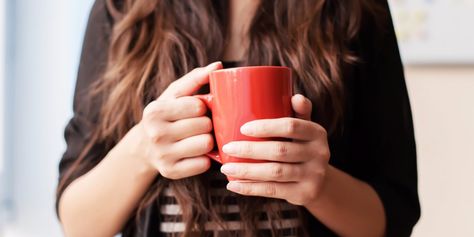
x: 171, y: 224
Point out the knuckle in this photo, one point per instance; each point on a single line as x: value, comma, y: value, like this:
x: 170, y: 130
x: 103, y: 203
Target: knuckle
x: 310, y: 194
x: 300, y: 200
x: 246, y: 189
x: 158, y: 163
x: 169, y: 171
x: 177, y: 90
x: 162, y: 157
x: 245, y: 148
x: 207, y: 123
x: 277, y: 171
x: 173, y: 85
x: 152, y: 109
x: 156, y: 133
x: 269, y: 190
x: 292, y: 126
x: 208, y: 142
x: 243, y: 172
x: 205, y: 164
x: 281, y: 150
x: 193, y: 105
x: 324, y: 153
x: 185, y: 101
x: 155, y: 163
x: 324, y: 132
x: 165, y: 171
x: 322, y: 171
x: 148, y: 109
x: 321, y: 131
x: 199, y: 107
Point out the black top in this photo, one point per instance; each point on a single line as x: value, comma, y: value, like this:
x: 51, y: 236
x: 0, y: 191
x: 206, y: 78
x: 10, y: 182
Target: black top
x: 377, y: 144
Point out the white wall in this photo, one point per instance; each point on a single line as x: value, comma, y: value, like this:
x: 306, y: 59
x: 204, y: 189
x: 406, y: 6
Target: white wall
x: 443, y: 105
x: 2, y: 113
x: 46, y: 44
x: 425, y: 27
x: 2, y: 80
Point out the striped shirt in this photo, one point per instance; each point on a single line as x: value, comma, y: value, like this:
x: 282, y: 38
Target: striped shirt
x: 170, y: 214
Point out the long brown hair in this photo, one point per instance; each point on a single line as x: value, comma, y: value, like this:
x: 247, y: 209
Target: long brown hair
x: 156, y: 41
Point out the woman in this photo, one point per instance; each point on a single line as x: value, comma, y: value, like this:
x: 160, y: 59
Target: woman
x: 135, y: 159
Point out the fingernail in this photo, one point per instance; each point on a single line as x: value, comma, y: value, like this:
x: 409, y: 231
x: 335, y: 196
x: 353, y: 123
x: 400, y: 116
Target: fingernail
x: 229, y: 148
x: 229, y: 169
x: 247, y: 129
x: 234, y: 186
x: 214, y: 65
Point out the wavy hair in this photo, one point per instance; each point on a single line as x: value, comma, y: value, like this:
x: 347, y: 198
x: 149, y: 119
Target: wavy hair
x: 154, y: 42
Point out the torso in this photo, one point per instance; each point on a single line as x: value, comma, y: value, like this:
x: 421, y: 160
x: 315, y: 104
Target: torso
x: 240, y: 15
x: 171, y: 224
x: 170, y: 211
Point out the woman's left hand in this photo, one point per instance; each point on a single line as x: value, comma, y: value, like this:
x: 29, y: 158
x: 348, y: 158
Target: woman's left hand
x: 295, y: 170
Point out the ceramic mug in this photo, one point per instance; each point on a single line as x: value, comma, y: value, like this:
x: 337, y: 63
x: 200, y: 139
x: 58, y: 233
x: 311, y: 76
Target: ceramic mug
x: 243, y: 94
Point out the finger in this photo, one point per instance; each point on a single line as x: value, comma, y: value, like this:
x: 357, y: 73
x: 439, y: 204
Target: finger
x: 302, y: 107
x: 192, y: 146
x: 175, y: 109
x: 282, y: 127
x: 290, y: 152
x: 187, y: 167
x: 191, y: 82
x: 185, y: 128
x: 270, y: 171
x: 263, y: 189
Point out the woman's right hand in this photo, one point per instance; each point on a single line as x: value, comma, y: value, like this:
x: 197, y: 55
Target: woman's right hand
x: 176, y: 130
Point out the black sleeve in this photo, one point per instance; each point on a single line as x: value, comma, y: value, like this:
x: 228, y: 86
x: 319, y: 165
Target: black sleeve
x: 86, y: 108
x: 382, y: 145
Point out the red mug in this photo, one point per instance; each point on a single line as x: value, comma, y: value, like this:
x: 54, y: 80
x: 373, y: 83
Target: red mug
x: 243, y: 94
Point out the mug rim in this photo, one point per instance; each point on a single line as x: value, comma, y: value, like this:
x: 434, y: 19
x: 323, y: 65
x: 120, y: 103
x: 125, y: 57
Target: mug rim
x: 233, y: 69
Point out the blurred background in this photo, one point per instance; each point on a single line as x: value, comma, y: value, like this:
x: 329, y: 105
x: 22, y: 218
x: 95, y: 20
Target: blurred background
x: 40, y: 44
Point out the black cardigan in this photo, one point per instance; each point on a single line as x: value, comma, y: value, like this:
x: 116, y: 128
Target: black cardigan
x: 377, y: 142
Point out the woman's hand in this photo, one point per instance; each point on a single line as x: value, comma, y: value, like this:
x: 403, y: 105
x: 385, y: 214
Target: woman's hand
x: 295, y: 170
x: 177, y: 132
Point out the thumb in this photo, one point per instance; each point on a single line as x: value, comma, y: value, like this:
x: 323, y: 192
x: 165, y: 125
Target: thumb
x: 302, y: 107
x: 191, y: 82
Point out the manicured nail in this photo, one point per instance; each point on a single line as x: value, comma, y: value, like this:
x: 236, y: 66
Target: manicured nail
x: 229, y: 148
x: 229, y: 169
x: 247, y: 129
x: 234, y: 186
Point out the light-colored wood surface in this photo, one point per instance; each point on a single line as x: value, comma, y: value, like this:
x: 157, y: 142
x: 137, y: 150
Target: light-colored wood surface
x: 443, y: 106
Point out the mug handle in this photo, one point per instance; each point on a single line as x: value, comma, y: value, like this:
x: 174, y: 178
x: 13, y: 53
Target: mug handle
x: 207, y: 99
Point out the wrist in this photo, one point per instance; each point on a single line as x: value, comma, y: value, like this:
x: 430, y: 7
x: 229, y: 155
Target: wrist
x: 135, y: 147
x: 323, y: 194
